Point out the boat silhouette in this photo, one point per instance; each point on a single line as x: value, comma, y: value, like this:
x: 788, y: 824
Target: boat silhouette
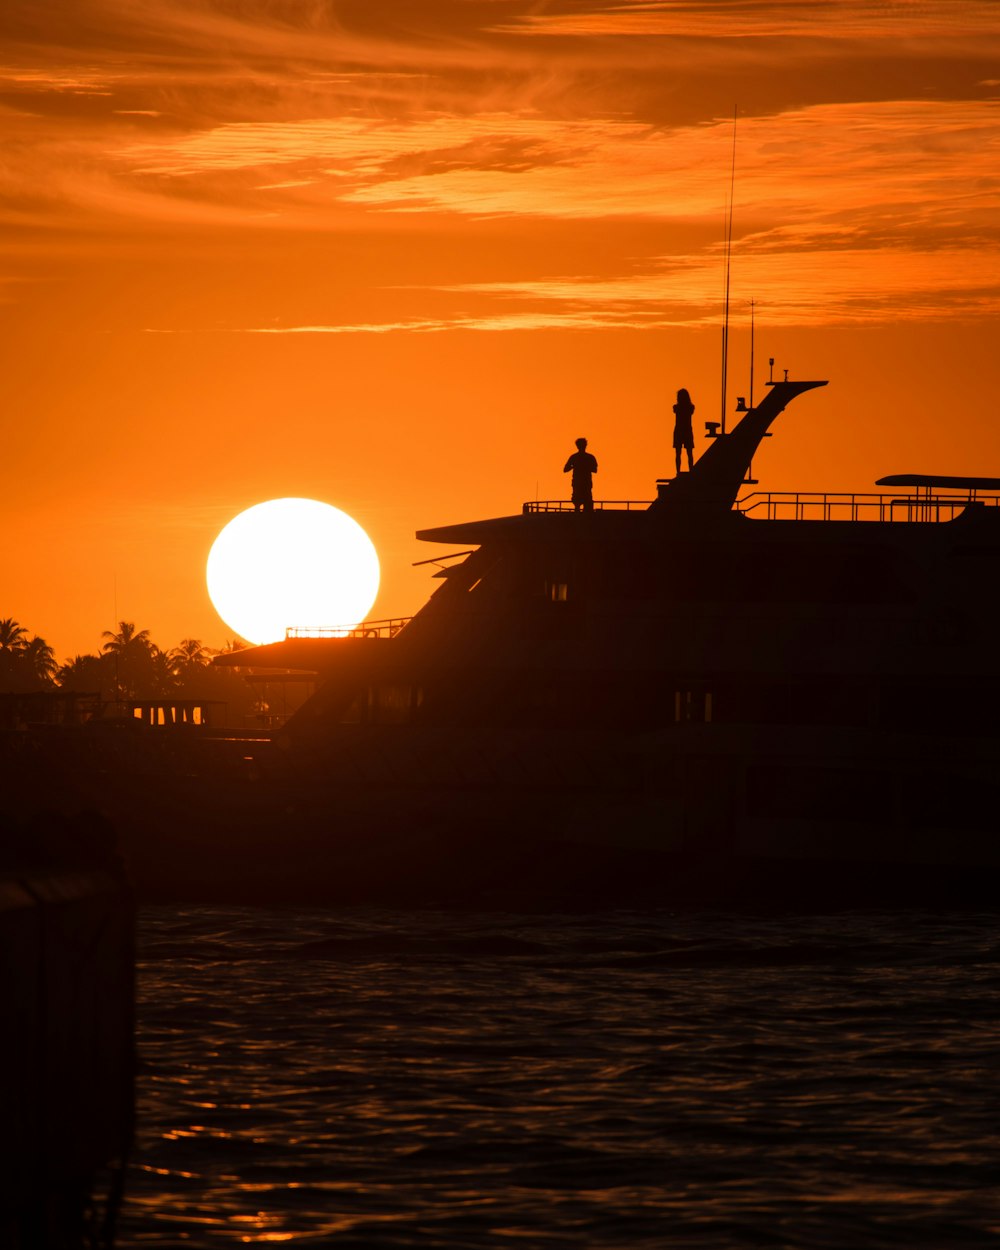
x: 708, y: 696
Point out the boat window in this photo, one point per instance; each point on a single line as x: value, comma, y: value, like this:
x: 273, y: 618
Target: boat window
x: 558, y: 592
x: 393, y: 705
x: 692, y: 706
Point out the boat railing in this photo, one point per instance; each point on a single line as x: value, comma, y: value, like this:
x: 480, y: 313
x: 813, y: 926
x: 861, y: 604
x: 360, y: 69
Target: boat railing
x: 388, y: 628
x: 600, y: 505
x: 826, y: 506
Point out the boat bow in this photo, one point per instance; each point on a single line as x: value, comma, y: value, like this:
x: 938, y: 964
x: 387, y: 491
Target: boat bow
x: 711, y: 488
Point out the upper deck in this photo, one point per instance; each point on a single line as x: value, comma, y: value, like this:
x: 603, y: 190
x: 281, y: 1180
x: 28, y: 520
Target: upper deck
x: 931, y: 499
x: 924, y: 505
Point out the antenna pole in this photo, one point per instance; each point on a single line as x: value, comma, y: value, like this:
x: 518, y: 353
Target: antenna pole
x: 729, y: 252
x: 751, y: 355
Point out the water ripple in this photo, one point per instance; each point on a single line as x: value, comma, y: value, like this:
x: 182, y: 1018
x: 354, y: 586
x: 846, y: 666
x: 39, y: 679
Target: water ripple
x: 389, y: 1079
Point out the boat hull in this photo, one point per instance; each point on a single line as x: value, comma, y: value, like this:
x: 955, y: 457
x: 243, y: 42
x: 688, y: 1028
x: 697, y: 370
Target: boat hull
x: 691, y: 813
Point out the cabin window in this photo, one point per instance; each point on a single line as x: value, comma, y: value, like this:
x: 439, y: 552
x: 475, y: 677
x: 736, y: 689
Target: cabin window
x: 182, y: 713
x: 558, y: 591
x: 692, y: 707
x: 393, y: 704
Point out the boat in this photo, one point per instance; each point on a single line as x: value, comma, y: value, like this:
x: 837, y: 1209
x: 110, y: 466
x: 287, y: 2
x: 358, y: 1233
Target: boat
x: 710, y: 696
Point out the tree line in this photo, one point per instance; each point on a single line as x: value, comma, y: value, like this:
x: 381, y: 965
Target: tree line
x: 128, y: 666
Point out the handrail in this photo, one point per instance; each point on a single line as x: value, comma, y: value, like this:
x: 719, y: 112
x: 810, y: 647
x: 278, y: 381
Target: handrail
x: 388, y: 628
x: 851, y: 506
x: 600, y: 505
x: 811, y: 505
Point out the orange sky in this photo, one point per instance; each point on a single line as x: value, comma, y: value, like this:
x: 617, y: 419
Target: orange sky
x: 398, y: 255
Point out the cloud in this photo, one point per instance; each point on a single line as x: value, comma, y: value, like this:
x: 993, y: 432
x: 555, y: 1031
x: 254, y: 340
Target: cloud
x: 765, y: 19
x: 913, y: 156
x: 72, y: 82
x: 848, y: 212
x: 792, y: 282
x: 308, y: 119
x: 802, y: 287
x: 522, y: 320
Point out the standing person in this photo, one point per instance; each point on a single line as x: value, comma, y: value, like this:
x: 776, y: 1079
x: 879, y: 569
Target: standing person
x: 683, y: 433
x: 583, y: 466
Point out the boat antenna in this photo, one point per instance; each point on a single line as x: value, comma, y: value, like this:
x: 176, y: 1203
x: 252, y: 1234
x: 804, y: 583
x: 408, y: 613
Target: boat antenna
x: 750, y: 480
x: 729, y: 253
x: 751, y: 355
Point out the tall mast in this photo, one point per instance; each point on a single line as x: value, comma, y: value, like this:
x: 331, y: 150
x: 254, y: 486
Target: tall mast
x: 729, y: 252
x: 751, y: 355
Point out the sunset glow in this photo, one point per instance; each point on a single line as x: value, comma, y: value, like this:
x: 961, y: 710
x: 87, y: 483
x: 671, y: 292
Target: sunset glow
x: 399, y: 255
x: 291, y: 563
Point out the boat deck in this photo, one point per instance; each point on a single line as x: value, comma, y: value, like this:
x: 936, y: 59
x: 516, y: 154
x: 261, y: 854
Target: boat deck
x: 924, y: 505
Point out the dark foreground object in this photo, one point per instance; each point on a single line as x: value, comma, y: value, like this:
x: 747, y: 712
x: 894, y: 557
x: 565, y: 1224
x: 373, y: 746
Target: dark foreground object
x: 66, y: 1046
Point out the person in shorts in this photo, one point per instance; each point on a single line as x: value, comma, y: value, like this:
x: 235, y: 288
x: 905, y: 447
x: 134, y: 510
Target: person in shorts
x: 683, y: 431
x: 583, y: 466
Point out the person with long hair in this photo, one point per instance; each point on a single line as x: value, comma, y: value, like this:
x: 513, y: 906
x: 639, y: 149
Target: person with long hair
x: 683, y: 430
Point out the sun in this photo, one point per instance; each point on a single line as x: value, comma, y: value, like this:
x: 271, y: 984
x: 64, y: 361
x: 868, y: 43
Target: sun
x: 291, y: 562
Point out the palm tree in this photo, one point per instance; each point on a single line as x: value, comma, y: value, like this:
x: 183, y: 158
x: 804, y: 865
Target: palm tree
x: 132, y: 652
x: 161, y: 677
x: 234, y: 644
x: 84, y: 673
x: 127, y: 642
x: 12, y: 635
x: 189, y: 654
x: 40, y: 661
x: 25, y: 663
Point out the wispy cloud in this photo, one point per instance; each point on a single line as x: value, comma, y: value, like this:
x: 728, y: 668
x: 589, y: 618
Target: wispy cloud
x: 320, y: 118
x: 863, y: 287
x: 802, y: 288
x: 844, y: 212
x: 768, y: 19
x: 523, y: 320
x: 810, y: 163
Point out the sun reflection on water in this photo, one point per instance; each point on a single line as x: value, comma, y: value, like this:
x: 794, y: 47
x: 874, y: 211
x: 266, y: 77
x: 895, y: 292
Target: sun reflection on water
x: 394, y: 1080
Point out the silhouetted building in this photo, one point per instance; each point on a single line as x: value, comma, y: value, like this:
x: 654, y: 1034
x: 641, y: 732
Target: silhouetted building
x: 47, y: 707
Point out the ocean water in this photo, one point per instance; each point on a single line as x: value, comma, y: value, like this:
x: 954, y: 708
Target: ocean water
x: 374, y: 1078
